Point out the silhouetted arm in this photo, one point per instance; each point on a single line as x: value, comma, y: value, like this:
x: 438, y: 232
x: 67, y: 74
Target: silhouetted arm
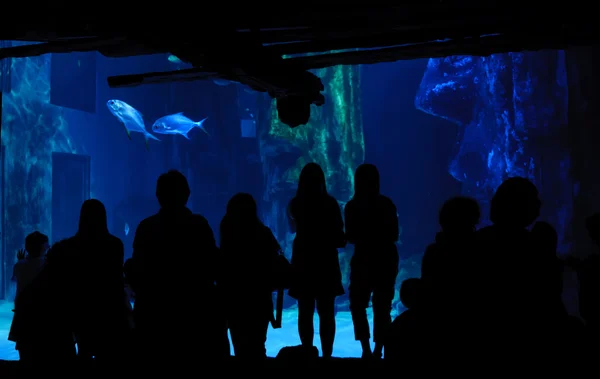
x: 120, y: 249
x: 428, y: 263
x: 211, y: 251
x: 338, y: 225
x: 350, y: 223
x: 272, y: 244
x: 394, y: 227
x: 290, y: 217
x: 133, y: 267
x: 138, y: 239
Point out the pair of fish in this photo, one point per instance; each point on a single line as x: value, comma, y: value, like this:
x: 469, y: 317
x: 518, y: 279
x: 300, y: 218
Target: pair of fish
x: 133, y: 121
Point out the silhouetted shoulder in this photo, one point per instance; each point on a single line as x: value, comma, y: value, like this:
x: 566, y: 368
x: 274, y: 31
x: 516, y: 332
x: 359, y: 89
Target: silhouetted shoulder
x: 485, y: 233
x: 387, y: 203
x: 115, y: 242
x: 269, y: 239
x: 199, y: 220
x: 429, y: 257
x: 148, y: 222
x: 60, y: 250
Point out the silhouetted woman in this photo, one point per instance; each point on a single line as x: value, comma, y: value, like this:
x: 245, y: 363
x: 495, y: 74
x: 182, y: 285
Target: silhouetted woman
x: 92, y: 262
x: 248, y: 252
x: 316, y: 219
x: 372, y: 226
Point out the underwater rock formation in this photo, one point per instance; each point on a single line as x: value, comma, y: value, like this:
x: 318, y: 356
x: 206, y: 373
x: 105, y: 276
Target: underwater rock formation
x: 512, y: 112
x: 32, y: 129
x: 333, y: 138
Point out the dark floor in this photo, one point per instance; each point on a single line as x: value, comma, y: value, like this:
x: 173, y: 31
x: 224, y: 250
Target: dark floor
x: 274, y: 368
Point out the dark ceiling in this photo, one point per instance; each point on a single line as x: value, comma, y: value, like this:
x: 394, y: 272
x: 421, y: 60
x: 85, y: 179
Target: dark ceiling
x: 266, y: 47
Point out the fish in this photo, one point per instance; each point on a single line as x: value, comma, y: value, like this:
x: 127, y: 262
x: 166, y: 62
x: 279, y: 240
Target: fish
x: 126, y: 229
x: 173, y: 59
x: 131, y: 118
x: 177, y: 124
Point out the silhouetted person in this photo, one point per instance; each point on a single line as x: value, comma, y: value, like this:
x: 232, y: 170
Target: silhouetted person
x: 407, y: 339
x: 589, y: 280
x: 372, y: 226
x: 248, y: 252
x: 316, y: 219
x: 446, y: 264
x: 172, y: 272
x: 93, y: 262
x: 549, y: 270
x: 30, y: 263
x: 506, y: 250
x: 45, y: 313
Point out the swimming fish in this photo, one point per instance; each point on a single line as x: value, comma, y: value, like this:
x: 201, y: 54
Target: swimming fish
x: 130, y: 117
x: 177, y: 124
x: 173, y: 59
x: 126, y: 229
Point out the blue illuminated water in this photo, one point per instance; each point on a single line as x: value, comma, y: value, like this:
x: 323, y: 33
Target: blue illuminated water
x: 345, y: 345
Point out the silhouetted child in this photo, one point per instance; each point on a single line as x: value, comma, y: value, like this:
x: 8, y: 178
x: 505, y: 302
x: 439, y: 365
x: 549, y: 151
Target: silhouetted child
x: 31, y: 329
x: 589, y: 279
x: 446, y: 263
x: 29, y: 266
x: 406, y: 332
x: 30, y: 263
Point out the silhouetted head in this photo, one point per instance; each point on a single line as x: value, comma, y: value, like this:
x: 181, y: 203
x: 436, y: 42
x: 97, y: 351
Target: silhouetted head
x: 172, y: 190
x: 366, y: 180
x: 92, y: 219
x: 459, y: 214
x: 592, y: 225
x: 36, y: 244
x: 242, y: 207
x: 546, y: 236
x: 411, y: 291
x: 312, y: 181
x: 515, y: 204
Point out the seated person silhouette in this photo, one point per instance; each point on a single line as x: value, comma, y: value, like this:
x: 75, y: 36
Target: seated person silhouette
x: 406, y: 336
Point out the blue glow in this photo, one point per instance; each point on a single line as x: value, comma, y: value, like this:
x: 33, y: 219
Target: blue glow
x: 509, y: 109
x: 502, y: 105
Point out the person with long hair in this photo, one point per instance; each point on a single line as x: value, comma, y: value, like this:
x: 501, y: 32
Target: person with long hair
x: 315, y: 217
x: 248, y: 252
x: 93, y: 262
x: 372, y: 226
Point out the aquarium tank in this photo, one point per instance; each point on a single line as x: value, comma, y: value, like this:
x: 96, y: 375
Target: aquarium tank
x: 435, y: 128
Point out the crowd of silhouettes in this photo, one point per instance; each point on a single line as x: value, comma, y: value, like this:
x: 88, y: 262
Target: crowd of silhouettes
x: 483, y: 293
